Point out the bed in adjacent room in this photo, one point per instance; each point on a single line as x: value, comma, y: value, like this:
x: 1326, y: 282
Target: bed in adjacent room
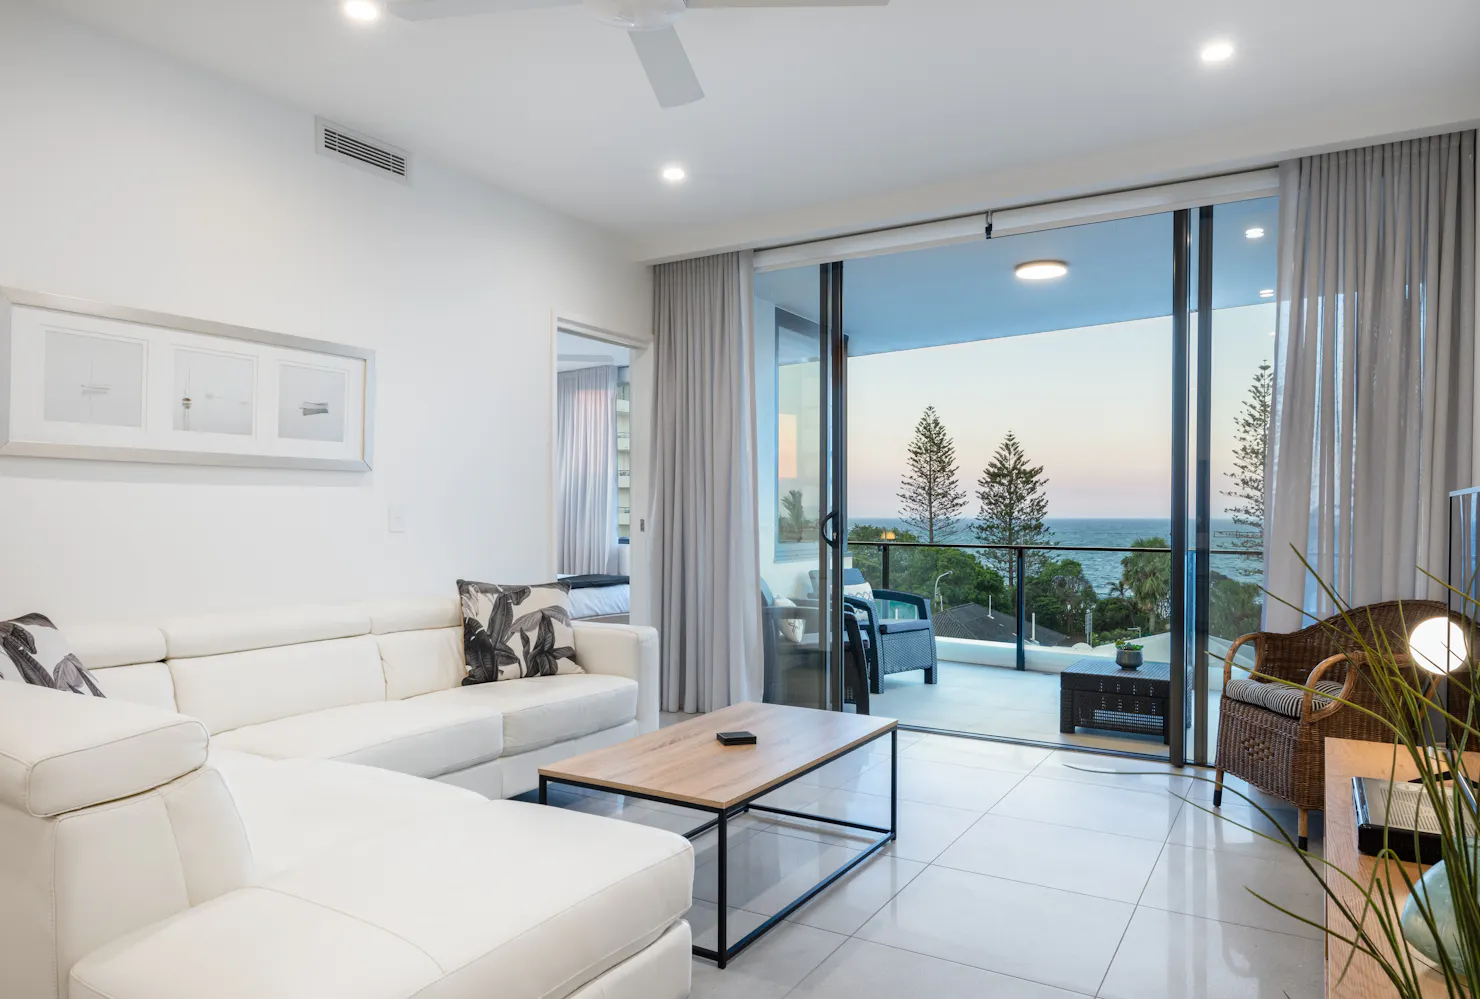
x: 600, y: 597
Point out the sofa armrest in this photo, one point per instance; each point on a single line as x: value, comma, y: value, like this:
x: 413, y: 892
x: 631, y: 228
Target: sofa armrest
x: 623, y: 650
x: 60, y: 751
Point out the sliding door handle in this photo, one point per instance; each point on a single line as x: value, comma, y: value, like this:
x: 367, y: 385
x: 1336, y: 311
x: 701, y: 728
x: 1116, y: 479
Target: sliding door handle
x: 832, y: 542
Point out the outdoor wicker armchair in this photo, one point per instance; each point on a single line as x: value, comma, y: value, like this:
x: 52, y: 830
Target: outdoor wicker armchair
x: 894, y: 644
x: 794, y: 669
x: 1273, y: 735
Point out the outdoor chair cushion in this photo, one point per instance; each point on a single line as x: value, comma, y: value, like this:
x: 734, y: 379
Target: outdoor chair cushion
x: 1279, y: 697
x: 895, y: 626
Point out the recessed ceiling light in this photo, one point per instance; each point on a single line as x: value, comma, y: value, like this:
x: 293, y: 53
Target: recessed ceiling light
x: 1219, y: 51
x: 361, y: 10
x: 1254, y: 232
x: 674, y: 173
x: 1041, y: 270
x: 1266, y: 293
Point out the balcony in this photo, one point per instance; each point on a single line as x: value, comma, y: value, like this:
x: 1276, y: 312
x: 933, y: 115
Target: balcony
x: 999, y: 666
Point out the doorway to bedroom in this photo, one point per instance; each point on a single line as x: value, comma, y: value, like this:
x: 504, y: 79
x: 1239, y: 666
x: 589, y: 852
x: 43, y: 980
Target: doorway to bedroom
x: 593, y: 483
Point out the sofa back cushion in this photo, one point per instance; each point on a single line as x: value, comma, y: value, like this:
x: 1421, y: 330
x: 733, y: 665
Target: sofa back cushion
x: 246, y: 688
x: 419, y: 662
x: 149, y: 684
x: 264, y: 628
x: 126, y: 662
x: 421, y: 643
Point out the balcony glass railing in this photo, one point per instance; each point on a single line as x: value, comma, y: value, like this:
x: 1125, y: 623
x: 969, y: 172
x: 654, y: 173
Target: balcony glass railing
x: 1025, y: 602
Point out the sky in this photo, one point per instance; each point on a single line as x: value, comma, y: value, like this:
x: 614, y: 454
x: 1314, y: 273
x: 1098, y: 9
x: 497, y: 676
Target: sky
x: 1092, y: 405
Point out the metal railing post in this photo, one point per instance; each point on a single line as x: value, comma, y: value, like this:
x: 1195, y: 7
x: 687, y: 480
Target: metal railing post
x: 885, y: 559
x: 1022, y: 652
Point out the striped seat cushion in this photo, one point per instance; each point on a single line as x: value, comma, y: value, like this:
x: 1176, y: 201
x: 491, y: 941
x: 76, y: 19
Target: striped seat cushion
x: 1278, y: 697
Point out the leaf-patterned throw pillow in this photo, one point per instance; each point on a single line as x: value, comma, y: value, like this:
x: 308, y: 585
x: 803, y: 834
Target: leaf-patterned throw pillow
x: 511, y: 632
x: 33, y: 651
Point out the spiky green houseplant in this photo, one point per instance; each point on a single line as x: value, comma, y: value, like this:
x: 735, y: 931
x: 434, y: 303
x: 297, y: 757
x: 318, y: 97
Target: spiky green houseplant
x: 1413, y: 709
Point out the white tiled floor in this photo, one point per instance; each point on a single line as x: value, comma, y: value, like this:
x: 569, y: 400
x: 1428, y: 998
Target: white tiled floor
x: 1019, y: 873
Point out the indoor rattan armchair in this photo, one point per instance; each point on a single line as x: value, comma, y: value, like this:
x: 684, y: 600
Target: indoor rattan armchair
x: 1274, y: 736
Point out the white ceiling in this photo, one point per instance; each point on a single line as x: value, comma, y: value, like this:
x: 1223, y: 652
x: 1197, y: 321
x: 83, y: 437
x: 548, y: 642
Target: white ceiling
x: 831, y: 105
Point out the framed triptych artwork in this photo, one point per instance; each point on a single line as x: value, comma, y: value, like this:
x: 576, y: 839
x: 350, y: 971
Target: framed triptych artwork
x: 79, y: 380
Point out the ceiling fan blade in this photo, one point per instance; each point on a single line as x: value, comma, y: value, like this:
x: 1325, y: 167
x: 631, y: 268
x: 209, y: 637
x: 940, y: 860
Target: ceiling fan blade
x: 426, y: 10
x: 667, y: 65
x: 787, y: 3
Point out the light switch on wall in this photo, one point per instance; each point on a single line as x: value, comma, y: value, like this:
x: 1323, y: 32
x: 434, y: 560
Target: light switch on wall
x: 396, y: 517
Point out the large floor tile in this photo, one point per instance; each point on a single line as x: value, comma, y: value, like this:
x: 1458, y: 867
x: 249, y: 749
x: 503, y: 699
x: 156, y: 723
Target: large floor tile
x: 766, y: 871
x: 1168, y: 955
x: 1114, y: 771
x: 1218, y: 885
x: 852, y: 900
x: 1242, y: 829
x: 972, y: 788
x: 863, y: 970
x: 1040, y: 934
x: 769, y: 968
x: 1002, y: 756
x: 1144, y: 814
x: 1055, y: 856
x: 924, y: 830
x: 703, y: 920
x: 1235, y: 790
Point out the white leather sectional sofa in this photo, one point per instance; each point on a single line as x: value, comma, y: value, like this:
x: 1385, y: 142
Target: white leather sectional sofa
x: 274, y: 805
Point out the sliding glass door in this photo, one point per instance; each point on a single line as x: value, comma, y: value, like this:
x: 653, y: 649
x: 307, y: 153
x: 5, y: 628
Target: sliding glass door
x: 1047, y: 444
x: 800, y: 398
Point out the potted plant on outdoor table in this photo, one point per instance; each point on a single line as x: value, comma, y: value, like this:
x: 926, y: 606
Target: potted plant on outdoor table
x: 1128, y: 655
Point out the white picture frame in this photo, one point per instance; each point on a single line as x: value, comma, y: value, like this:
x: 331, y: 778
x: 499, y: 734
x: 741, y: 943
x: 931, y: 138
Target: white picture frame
x: 83, y: 380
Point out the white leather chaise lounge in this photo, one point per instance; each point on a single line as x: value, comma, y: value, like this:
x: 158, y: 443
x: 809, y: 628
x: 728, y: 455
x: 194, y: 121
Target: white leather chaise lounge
x: 211, y: 828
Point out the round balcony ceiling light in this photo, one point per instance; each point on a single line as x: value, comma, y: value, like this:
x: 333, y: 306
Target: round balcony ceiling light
x: 361, y: 10
x: 674, y: 174
x: 1041, y: 270
x: 1219, y: 51
x: 1254, y: 232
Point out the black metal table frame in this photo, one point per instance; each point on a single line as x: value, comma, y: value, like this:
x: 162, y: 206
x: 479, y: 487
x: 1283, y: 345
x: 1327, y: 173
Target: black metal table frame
x: 722, y: 954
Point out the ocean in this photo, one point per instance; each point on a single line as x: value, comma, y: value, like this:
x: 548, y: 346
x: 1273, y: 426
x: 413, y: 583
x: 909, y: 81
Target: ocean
x: 1103, y: 568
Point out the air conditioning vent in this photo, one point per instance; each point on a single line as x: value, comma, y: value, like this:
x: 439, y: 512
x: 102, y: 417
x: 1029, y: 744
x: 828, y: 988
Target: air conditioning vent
x: 361, y: 150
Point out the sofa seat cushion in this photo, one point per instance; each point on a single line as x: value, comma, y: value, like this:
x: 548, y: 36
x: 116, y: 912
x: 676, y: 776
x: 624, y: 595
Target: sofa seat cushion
x: 428, y: 909
x: 1278, y: 697
x: 542, y: 710
x: 294, y: 810
x: 421, y: 737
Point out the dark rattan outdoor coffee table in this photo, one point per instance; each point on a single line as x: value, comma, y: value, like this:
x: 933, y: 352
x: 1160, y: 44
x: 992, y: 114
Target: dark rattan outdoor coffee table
x: 1096, y: 693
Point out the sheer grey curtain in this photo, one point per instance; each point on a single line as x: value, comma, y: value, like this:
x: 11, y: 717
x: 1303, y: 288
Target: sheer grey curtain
x: 706, y: 565
x: 1373, y: 418
x: 586, y: 468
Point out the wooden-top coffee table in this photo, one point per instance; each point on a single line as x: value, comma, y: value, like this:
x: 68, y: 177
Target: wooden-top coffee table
x: 685, y: 765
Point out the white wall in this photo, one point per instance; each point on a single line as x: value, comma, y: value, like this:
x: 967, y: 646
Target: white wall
x: 131, y: 180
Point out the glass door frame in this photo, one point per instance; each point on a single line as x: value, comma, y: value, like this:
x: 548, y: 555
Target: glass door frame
x: 833, y: 454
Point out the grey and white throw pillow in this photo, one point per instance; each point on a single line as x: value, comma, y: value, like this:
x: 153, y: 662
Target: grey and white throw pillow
x: 33, y: 651
x: 511, y: 632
